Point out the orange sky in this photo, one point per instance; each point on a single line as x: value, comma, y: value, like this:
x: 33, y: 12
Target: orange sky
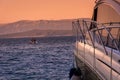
x: 14, y: 10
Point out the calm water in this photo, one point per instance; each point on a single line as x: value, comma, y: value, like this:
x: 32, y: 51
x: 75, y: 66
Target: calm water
x: 50, y: 59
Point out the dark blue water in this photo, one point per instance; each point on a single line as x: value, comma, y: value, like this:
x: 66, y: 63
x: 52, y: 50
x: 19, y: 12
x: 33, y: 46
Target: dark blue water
x: 49, y: 59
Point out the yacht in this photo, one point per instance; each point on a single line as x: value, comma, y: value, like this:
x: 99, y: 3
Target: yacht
x: 97, y: 46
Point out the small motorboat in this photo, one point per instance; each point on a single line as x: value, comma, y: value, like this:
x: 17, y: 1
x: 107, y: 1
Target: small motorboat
x: 33, y: 41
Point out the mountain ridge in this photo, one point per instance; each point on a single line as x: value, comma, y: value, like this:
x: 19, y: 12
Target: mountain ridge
x: 27, y: 26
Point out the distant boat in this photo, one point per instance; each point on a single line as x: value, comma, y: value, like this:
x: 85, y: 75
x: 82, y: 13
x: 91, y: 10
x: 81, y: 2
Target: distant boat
x: 33, y: 41
x: 97, y: 48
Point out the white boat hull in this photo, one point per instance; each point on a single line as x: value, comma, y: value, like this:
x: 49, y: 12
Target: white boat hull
x: 98, y: 61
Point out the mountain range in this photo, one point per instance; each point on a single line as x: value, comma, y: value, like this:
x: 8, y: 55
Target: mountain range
x: 39, y: 28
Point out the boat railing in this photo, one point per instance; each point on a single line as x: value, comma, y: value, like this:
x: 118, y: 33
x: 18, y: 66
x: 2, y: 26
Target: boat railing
x: 92, y: 32
x: 104, y: 37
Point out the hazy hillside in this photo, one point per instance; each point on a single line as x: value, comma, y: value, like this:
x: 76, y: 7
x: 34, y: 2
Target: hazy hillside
x: 27, y: 25
x: 27, y: 28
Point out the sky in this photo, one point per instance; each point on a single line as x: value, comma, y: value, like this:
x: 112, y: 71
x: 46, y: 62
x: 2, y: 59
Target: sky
x: 15, y: 10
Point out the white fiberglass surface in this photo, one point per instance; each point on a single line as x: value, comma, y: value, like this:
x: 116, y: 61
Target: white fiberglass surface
x: 100, y: 60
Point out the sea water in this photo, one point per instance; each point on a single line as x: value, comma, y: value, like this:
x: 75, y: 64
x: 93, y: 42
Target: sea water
x: 50, y: 59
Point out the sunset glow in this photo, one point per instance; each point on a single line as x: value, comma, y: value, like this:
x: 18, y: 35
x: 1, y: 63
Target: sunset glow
x: 14, y: 10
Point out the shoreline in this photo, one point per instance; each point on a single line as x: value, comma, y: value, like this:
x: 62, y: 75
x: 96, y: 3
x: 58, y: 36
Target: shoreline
x: 36, y: 37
